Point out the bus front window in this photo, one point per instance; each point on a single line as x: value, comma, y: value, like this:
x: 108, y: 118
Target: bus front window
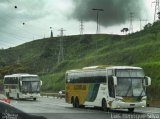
x: 129, y: 73
x: 130, y: 83
x: 35, y: 86
x: 130, y: 87
x: 30, y: 86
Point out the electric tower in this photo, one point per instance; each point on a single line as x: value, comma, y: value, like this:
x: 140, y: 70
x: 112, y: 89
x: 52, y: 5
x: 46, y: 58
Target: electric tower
x: 61, y: 49
x: 81, y: 27
x: 156, y: 9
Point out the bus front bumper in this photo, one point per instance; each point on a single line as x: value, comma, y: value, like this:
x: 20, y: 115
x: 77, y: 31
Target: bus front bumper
x: 30, y: 95
x: 126, y: 105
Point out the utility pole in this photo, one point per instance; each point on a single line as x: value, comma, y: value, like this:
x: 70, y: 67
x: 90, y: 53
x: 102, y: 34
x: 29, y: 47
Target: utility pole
x: 61, y: 49
x: 98, y: 26
x: 156, y: 9
x: 131, y: 22
x: 81, y: 27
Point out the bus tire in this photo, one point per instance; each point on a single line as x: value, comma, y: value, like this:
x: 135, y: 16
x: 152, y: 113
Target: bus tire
x: 104, y: 105
x: 131, y: 110
x: 81, y: 106
x: 34, y: 99
x: 73, y: 102
x: 76, y: 102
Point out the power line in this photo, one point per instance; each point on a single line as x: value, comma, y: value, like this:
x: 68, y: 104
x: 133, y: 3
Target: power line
x: 18, y: 32
x: 4, y: 44
x: 23, y: 25
x: 11, y: 2
x: 142, y: 20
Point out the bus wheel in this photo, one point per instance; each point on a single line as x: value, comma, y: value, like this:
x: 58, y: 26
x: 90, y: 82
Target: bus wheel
x: 73, y: 102
x: 81, y: 106
x: 104, y: 105
x: 76, y: 102
x: 34, y: 99
x: 131, y: 110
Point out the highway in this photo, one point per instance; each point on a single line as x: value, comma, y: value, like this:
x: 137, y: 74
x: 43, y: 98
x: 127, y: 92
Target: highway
x: 55, y: 108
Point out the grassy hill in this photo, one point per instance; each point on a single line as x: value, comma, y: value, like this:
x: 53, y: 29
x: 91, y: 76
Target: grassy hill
x: 41, y: 56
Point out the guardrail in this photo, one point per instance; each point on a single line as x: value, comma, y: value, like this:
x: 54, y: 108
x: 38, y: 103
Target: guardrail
x: 154, y: 103
x: 150, y: 103
x: 53, y: 95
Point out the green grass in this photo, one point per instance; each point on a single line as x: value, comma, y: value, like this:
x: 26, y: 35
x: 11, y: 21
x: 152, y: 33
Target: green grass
x: 52, y: 82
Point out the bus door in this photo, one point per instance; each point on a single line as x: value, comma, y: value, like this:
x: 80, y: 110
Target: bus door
x: 110, y: 80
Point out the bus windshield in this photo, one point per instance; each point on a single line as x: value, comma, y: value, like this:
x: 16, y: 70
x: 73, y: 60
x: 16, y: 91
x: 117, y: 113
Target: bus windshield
x: 129, y: 73
x: 30, y: 86
x: 130, y: 87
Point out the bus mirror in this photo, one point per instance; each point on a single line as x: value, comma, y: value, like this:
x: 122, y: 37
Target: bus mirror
x: 20, y: 83
x: 41, y: 83
x: 115, y: 80
x: 147, y: 81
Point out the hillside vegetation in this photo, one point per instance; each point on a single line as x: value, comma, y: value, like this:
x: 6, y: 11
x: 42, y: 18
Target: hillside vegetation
x: 41, y: 56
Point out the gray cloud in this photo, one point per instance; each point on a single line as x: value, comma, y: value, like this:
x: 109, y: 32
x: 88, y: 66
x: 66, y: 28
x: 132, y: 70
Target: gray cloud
x: 115, y: 11
x: 26, y: 10
x: 32, y: 9
x: 11, y: 20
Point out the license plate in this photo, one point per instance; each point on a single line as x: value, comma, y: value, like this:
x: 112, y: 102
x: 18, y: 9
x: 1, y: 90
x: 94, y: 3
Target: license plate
x: 132, y: 104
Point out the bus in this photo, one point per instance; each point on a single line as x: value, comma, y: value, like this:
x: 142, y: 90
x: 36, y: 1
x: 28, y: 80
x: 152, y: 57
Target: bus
x: 107, y: 87
x: 22, y: 86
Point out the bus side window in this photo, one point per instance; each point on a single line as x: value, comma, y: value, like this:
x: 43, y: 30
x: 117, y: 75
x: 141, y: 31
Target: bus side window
x: 111, y: 87
x: 110, y: 72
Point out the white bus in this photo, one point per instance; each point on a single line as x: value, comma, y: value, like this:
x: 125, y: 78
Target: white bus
x: 108, y: 87
x: 22, y: 86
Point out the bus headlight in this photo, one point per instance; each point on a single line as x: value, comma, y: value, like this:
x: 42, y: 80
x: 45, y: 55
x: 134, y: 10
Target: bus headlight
x: 119, y: 99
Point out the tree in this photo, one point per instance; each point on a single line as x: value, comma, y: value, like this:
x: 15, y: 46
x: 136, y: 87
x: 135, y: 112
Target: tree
x: 147, y: 26
x: 125, y: 30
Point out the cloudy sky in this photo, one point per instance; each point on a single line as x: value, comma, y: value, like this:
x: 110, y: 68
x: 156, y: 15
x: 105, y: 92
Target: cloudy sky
x: 32, y: 19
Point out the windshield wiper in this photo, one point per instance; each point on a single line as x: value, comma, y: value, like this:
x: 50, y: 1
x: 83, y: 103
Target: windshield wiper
x: 141, y: 93
x: 129, y: 89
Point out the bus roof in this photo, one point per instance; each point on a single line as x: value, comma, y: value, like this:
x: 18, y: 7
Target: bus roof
x: 103, y: 67
x: 125, y: 67
x: 21, y: 75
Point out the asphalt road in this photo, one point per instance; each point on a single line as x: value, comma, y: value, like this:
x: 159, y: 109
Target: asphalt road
x: 54, y: 108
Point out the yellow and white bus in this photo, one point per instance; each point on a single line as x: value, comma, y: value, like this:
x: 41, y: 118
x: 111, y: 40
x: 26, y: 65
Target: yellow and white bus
x: 22, y: 86
x: 108, y: 87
